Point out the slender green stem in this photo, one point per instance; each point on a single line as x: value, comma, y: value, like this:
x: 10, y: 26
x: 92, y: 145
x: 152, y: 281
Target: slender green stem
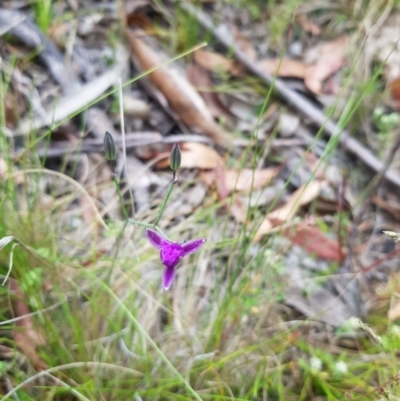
x: 118, y: 243
x: 124, y: 211
x: 165, y: 203
x: 148, y: 225
x: 140, y: 223
x: 161, y: 232
x: 3, y: 139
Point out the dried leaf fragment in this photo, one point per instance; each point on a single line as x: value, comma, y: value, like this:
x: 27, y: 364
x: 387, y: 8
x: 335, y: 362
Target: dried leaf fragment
x: 302, y: 196
x: 395, y: 89
x: 212, y: 61
x: 327, y: 59
x: 238, y: 210
x: 199, y: 78
x: 196, y: 155
x: 243, y: 180
x: 283, y: 68
x: 312, y: 239
x: 181, y: 95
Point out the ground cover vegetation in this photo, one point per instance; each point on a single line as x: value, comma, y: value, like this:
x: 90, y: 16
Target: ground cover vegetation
x: 199, y: 200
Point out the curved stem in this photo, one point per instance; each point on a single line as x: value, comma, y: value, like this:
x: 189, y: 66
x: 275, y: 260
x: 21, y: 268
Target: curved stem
x: 148, y: 225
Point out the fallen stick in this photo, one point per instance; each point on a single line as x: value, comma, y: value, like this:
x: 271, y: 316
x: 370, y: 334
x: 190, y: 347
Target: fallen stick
x: 133, y: 140
x: 296, y: 100
x: 136, y: 139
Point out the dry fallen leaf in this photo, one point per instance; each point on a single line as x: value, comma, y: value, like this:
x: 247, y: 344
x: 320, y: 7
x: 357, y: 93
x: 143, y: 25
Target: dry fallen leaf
x: 312, y: 239
x: 308, y: 25
x: 181, y: 95
x: 26, y: 335
x: 303, y: 234
x: 238, y: 210
x: 302, y: 196
x: 142, y: 21
x: 327, y: 58
x: 394, y: 86
x: 195, y: 155
x: 212, y: 61
x: 199, y: 78
x: 283, y: 68
x: 244, y: 180
x: 265, y: 227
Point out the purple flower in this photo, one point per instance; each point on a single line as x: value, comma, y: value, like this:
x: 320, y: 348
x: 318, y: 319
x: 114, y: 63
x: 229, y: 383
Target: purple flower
x: 171, y: 253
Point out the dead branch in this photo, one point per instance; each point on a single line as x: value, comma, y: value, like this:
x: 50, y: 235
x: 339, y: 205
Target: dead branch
x: 296, y: 100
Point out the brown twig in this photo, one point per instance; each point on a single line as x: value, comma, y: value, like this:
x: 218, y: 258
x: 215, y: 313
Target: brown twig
x: 132, y: 140
x: 296, y: 100
x: 145, y: 138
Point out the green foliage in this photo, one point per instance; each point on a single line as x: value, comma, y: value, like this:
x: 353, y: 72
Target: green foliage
x: 43, y: 10
x: 385, y: 122
x: 188, y: 30
x: 31, y: 279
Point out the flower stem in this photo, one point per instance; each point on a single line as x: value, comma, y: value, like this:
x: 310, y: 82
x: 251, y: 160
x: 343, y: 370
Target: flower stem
x: 165, y: 202
x: 121, y: 201
x: 148, y: 225
x: 139, y: 223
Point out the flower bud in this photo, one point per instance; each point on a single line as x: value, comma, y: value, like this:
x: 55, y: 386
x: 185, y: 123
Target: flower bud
x: 175, y: 157
x: 110, y: 149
